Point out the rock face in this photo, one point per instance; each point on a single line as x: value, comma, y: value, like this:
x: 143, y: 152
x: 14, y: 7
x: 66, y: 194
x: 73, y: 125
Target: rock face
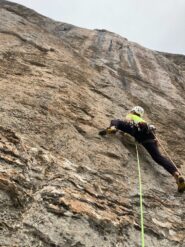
x: 60, y: 183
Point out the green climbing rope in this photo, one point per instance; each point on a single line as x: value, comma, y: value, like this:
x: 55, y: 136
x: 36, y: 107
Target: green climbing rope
x: 141, y: 199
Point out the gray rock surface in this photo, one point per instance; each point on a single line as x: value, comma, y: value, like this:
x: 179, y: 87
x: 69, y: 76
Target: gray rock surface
x: 60, y: 183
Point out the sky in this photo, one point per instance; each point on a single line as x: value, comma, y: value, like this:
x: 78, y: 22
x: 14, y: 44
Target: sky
x: 155, y: 24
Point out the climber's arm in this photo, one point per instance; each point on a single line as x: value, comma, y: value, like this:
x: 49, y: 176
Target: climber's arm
x: 116, y: 125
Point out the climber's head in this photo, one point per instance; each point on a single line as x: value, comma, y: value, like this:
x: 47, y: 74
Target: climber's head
x: 138, y: 110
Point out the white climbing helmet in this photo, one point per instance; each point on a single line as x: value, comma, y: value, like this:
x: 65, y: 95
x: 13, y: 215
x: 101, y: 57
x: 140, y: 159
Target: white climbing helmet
x: 139, y: 110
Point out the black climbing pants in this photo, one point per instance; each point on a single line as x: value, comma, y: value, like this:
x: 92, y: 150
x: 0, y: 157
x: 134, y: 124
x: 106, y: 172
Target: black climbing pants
x: 147, y: 139
x: 153, y: 150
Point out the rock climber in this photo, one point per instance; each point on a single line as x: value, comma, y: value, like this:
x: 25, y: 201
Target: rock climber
x: 144, y: 133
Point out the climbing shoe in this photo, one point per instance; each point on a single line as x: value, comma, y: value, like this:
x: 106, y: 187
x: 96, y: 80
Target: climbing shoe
x: 181, y: 184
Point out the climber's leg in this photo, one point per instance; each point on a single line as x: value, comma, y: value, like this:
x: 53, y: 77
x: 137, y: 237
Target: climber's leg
x: 153, y: 150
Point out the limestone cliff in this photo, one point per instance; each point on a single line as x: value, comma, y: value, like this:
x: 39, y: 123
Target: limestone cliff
x: 60, y: 183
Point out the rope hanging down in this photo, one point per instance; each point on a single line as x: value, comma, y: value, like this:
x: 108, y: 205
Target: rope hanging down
x: 141, y: 199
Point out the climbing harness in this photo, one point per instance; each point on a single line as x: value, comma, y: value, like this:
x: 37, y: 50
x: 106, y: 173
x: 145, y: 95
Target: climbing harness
x: 141, y: 199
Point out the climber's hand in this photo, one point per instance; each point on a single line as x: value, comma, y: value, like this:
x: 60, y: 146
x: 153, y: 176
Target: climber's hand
x: 102, y: 132
x: 110, y: 130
